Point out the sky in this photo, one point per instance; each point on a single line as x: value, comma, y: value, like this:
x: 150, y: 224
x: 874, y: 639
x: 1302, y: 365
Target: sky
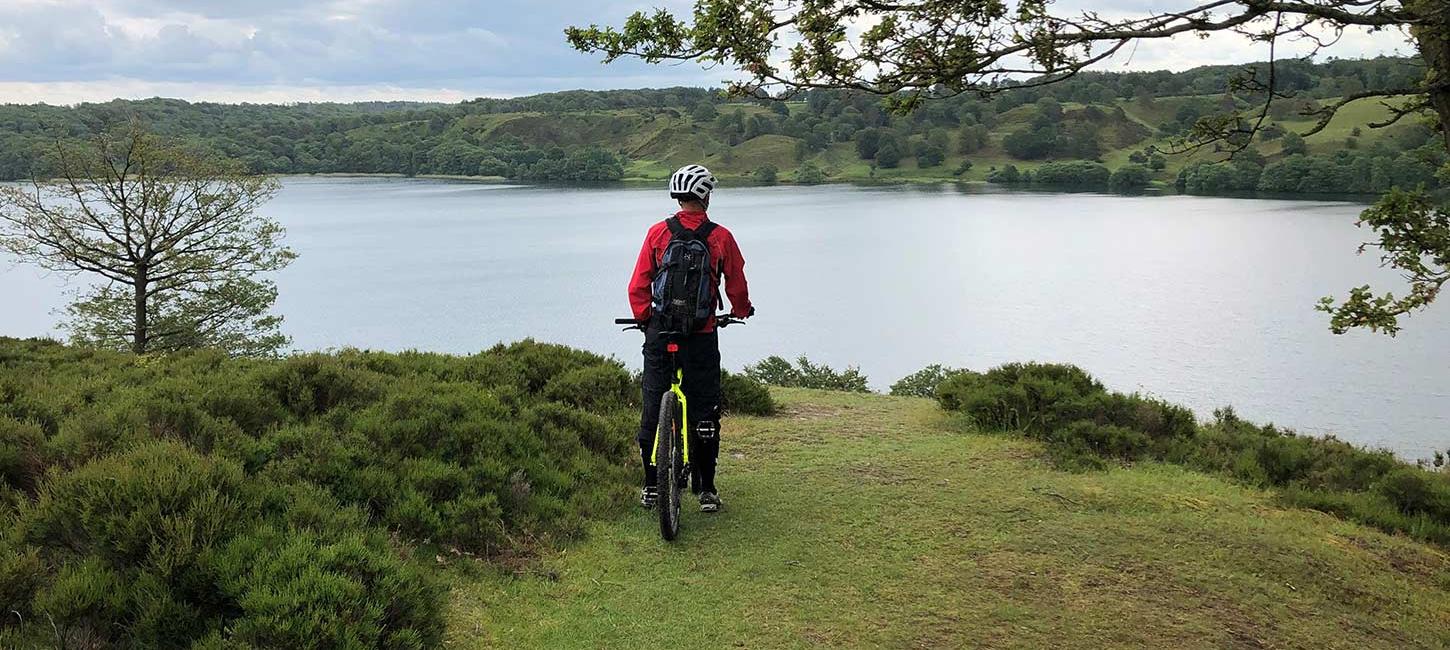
x: 269, y: 51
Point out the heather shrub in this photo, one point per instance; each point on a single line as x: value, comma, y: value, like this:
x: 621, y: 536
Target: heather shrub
x: 1032, y: 397
x: 198, y: 500
x: 924, y: 382
x: 594, y: 388
x: 314, y: 384
x: 1414, y: 491
x: 22, y: 454
x: 298, y: 589
x: 776, y: 371
x: 1085, y: 426
x: 744, y: 395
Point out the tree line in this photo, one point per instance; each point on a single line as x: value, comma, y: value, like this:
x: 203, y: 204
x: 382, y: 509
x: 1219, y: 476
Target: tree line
x: 1081, y: 118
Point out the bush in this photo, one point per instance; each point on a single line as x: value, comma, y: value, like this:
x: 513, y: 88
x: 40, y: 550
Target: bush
x: 22, y: 454
x: 161, y: 545
x: 924, y: 382
x: 930, y: 155
x: 766, y: 174
x: 888, y: 156
x: 776, y: 371
x: 1415, y: 491
x: 198, y: 500
x: 1006, y: 175
x: 1294, y: 144
x: 744, y: 395
x: 1130, y: 178
x: 297, y: 589
x: 809, y: 174
x: 1074, y: 173
x: 1086, y: 426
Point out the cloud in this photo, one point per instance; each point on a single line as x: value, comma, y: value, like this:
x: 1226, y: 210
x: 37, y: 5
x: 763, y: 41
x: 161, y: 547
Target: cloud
x: 265, y: 50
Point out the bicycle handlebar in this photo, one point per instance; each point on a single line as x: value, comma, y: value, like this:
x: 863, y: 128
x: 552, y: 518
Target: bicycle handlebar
x: 721, y: 321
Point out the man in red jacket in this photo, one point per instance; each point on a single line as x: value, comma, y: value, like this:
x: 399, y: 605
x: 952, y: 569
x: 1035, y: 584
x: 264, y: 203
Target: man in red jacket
x: 699, y: 353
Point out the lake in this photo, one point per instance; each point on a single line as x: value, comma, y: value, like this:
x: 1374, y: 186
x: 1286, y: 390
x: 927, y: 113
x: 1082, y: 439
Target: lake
x: 1200, y: 301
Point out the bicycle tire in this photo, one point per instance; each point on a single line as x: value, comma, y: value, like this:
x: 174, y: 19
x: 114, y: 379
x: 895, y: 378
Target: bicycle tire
x: 667, y: 463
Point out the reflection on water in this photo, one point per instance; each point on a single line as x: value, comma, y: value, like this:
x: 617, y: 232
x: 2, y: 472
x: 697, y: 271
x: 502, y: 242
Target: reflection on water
x: 1202, y: 301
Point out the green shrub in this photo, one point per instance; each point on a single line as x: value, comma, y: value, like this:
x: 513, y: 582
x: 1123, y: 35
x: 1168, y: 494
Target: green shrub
x: 315, y: 383
x: 773, y: 370
x: 22, y: 454
x: 599, y: 388
x: 197, y: 500
x: 1086, y: 426
x: 1073, y: 173
x: 766, y: 174
x: 744, y: 395
x: 809, y: 174
x: 1088, y: 438
x: 295, y: 589
x: 131, y: 535
x: 1005, y: 175
x: 1415, y: 491
x: 776, y: 371
x: 1034, y: 397
x: 1130, y: 178
x: 924, y: 382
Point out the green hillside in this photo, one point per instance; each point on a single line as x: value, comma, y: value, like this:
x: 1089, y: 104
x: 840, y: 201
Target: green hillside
x: 656, y: 142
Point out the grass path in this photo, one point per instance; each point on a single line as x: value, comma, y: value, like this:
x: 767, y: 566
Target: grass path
x: 858, y: 521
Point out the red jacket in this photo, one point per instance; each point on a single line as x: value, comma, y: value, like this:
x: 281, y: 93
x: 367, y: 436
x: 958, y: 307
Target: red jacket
x: 724, y: 252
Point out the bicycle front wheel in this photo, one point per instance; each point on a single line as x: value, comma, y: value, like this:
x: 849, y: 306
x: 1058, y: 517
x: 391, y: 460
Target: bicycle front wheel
x: 669, y: 465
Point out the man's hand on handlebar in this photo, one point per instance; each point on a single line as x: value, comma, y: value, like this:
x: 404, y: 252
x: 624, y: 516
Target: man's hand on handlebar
x: 725, y: 320
x: 721, y: 320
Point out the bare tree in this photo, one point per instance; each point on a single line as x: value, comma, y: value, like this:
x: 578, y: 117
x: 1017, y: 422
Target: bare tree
x: 910, y: 51
x: 170, y: 233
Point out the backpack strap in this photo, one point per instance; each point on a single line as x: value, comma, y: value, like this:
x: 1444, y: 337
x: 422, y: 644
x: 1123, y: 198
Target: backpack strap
x: 678, y: 230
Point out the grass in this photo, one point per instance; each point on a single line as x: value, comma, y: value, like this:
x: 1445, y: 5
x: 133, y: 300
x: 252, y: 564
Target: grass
x: 871, y: 521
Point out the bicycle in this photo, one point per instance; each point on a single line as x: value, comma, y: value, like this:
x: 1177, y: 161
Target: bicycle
x: 669, y: 443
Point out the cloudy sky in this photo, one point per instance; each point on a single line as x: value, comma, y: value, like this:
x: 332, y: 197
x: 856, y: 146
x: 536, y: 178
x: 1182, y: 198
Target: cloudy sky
x: 67, y: 51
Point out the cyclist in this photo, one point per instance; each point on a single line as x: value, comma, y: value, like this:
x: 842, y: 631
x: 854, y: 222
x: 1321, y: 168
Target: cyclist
x: 699, y: 353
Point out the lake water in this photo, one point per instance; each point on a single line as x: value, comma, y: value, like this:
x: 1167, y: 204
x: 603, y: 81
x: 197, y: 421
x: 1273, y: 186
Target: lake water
x: 1202, y: 301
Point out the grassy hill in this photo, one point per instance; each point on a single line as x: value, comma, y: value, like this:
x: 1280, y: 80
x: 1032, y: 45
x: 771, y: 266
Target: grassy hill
x: 657, y: 141
x: 871, y: 521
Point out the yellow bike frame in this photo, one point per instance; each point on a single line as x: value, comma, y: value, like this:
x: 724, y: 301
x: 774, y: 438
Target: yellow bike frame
x: 677, y: 389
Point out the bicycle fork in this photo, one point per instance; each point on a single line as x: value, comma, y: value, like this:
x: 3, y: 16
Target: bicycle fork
x: 678, y: 389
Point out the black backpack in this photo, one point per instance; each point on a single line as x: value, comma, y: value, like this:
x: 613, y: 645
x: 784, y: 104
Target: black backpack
x: 684, y: 283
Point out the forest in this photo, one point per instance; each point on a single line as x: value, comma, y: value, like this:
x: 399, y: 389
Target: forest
x: 1096, y: 131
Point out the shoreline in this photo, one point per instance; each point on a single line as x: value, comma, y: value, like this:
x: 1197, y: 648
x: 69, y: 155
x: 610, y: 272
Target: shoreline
x: 1156, y: 190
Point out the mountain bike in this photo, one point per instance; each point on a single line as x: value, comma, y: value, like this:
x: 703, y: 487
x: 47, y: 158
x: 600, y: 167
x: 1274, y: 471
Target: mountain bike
x: 671, y: 444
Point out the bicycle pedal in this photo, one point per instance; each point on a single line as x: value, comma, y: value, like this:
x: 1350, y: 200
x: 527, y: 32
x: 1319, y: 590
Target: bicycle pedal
x: 707, y: 430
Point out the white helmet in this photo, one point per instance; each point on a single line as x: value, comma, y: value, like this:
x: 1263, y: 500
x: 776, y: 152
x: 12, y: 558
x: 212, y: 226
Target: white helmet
x: 692, y: 183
